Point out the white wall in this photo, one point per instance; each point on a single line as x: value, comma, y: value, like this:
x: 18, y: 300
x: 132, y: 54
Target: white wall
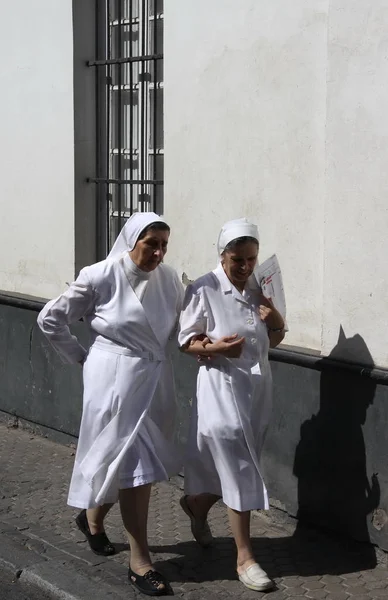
x: 276, y: 111
x: 36, y: 151
x: 356, y: 215
x: 244, y: 136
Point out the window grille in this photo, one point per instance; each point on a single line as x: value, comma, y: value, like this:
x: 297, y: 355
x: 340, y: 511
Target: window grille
x: 130, y: 161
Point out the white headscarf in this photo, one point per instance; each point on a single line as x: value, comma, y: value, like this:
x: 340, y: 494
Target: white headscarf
x: 129, y: 234
x: 236, y: 229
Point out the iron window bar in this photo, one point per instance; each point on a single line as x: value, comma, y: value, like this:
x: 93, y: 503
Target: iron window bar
x: 135, y: 86
x: 129, y: 152
x: 123, y: 61
x: 134, y: 20
x: 125, y: 181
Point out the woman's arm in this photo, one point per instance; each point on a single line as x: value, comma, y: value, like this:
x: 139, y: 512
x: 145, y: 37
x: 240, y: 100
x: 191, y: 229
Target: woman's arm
x: 273, y: 320
x: 230, y: 346
x: 58, y: 314
x: 275, y: 338
x: 193, y: 326
x: 193, y: 320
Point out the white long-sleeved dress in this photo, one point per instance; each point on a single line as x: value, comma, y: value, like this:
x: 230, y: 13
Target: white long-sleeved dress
x: 127, y: 429
x: 233, y: 403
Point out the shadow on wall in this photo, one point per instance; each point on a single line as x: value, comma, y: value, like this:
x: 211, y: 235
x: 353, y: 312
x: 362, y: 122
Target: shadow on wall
x: 334, y: 489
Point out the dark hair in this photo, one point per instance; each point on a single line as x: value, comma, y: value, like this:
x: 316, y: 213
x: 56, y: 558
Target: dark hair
x: 157, y: 226
x: 246, y: 239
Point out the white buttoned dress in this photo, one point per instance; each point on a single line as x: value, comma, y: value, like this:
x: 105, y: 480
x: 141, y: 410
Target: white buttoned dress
x: 233, y: 402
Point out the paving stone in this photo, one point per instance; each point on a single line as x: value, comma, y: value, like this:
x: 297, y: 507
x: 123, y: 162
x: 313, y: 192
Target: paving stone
x: 370, y: 576
x: 375, y: 585
x: 357, y: 591
x: 351, y: 584
x: 313, y: 585
x: 331, y: 579
x: 316, y: 594
x: 293, y: 581
x: 334, y: 588
x: 378, y: 593
x: 293, y: 591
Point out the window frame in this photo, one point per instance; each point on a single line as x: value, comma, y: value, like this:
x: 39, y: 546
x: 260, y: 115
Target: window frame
x: 125, y: 67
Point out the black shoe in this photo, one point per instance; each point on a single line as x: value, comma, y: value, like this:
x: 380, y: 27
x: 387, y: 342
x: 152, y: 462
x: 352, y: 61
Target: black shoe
x: 150, y: 584
x: 98, y: 542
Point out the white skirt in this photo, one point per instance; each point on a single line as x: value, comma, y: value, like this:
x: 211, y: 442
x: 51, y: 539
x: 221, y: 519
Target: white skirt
x: 141, y: 464
x: 110, y: 383
x: 228, y: 424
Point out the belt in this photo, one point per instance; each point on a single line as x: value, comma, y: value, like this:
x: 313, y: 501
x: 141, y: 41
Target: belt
x: 116, y: 349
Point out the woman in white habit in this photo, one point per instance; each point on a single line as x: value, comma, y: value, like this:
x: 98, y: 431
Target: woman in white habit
x: 131, y: 304
x: 229, y: 323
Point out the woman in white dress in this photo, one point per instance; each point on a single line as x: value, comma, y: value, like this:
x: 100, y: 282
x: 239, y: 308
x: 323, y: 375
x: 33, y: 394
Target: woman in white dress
x: 131, y: 303
x: 229, y: 323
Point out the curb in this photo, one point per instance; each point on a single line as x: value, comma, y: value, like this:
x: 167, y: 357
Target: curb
x: 65, y: 583
x: 65, y: 577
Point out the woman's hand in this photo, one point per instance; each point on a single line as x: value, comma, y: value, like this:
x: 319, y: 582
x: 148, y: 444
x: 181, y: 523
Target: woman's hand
x: 230, y: 346
x: 269, y: 314
x: 202, y: 356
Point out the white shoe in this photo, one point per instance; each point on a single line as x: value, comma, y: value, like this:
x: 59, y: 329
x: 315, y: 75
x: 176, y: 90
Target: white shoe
x: 256, y: 579
x: 200, y: 529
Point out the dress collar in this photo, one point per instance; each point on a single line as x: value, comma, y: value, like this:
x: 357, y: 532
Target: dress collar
x: 227, y: 286
x: 132, y: 270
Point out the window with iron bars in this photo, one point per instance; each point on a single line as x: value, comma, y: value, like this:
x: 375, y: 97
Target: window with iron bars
x: 130, y: 157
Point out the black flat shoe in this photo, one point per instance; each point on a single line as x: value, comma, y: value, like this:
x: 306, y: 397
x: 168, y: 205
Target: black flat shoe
x: 150, y: 584
x: 99, y: 542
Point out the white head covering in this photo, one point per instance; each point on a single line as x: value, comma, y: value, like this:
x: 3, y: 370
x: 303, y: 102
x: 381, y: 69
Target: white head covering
x: 129, y: 234
x: 235, y: 229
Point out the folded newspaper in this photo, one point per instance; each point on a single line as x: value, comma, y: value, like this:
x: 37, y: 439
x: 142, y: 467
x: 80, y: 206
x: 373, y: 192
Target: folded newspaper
x: 270, y: 280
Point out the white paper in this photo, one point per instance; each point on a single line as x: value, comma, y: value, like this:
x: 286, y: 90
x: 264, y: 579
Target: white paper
x: 270, y: 280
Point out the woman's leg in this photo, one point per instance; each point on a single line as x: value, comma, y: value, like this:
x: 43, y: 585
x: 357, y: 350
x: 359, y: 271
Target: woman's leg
x: 200, y: 504
x: 197, y: 507
x: 250, y: 573
x: 240, y: 525
x: 96, y: 518
x: 134, y: 504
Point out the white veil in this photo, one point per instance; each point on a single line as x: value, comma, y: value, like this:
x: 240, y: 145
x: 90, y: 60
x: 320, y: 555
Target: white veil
x: 128, y: 236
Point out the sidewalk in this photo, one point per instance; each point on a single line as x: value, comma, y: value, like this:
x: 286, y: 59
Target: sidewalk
x: 41, y: 544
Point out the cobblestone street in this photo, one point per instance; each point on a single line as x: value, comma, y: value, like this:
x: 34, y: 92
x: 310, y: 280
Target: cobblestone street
x: 34, y: 476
